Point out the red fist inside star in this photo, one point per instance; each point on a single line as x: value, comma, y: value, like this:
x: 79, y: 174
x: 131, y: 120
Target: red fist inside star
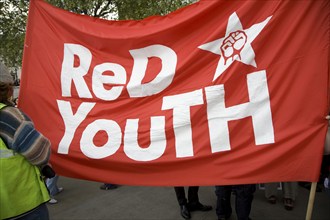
x: 233, y: 44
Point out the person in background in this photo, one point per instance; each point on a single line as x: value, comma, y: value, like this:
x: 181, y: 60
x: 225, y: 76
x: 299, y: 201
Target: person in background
x: 289, y: 190
x: 108, y: 186
x: 244, y: 196
x: 327, y: 182
x: 324, y: 171
x: 325, y: 166
x: 53, y: 188
x: 24, y: 152
x: 192, y: 204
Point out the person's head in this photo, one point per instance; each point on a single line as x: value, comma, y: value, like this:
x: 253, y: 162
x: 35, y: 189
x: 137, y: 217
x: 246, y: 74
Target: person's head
x: 6, y: 85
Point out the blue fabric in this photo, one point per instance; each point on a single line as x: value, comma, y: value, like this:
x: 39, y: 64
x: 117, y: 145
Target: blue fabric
x: 52, y: 185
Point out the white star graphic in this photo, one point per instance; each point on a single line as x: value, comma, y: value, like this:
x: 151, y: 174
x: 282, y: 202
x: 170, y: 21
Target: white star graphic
x: 236, y: 45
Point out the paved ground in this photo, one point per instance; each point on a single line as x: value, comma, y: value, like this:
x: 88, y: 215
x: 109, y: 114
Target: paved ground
x: 82, y: 200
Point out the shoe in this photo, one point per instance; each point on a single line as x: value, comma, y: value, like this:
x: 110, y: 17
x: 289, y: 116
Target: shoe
x: 52, y: 201
x: 272, y: 200
x: 288, y: 204
x: 185, y: 212
x: 60, y: 189
x: 199, y: 207
x: 108, y: 186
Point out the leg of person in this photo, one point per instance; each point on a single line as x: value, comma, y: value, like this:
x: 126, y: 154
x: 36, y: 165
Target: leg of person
x: 52, y: 185
x: 324, y: 171
x: 181, y: 197
x: 193, y: 200
x: 223, y: 209
x: 327, y: 185
x: 243, y: 202
x: 289, y: 194
x: 326, y: 182
x: 271, y: 192
x: 39, y: 213
x: 193, y: 195
x: 53, y: 188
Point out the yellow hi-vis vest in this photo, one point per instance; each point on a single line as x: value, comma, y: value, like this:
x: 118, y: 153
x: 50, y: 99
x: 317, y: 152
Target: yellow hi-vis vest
x: 22, y: 187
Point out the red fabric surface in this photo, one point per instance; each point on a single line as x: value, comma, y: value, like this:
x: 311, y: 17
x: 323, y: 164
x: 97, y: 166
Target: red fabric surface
x: 211, y: 48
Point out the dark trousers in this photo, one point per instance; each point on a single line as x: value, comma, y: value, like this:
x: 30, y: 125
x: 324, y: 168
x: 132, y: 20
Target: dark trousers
x: 39, y: 213
x: 243, y: 202
x: 192, y: 195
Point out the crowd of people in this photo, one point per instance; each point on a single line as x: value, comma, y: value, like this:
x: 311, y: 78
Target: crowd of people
x: 29, y: 153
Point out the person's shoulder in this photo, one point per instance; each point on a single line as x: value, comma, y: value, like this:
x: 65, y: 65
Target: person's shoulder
x: 11, y: 111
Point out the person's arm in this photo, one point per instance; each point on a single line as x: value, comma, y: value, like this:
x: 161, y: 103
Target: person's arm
x: 20, y: 135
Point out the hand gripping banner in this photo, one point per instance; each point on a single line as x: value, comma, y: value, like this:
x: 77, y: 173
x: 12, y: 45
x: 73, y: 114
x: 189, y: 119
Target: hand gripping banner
x: 219, y: 92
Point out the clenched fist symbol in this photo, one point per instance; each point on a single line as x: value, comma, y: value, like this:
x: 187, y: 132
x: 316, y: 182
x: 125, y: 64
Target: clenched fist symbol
x: 233, y: 44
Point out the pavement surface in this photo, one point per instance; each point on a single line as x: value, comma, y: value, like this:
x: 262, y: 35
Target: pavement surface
x: 83, y: 199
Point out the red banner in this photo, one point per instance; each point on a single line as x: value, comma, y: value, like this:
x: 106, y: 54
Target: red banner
x: 219, y: 92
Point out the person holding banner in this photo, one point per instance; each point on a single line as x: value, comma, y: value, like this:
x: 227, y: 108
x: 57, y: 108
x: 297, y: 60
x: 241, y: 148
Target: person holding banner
x: 193, y: 203
x: 244, y: 197
x: 23, y: 152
